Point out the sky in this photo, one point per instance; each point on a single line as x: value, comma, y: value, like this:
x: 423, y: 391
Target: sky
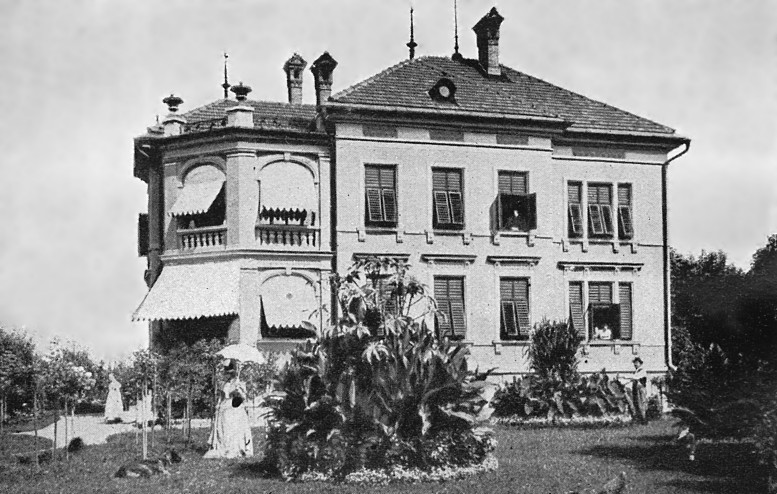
x: 80, y: 79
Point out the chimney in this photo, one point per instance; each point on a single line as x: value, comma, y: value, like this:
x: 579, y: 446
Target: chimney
x: 487, y: 32
x: 322, y: 70
x: 294, y: 68
x: 173, y: 122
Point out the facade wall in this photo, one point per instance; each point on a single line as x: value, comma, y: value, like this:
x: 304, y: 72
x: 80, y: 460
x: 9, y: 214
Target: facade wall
x: 637, y: 260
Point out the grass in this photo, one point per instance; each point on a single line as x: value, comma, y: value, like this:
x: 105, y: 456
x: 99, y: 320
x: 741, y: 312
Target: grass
x: 532, y: 461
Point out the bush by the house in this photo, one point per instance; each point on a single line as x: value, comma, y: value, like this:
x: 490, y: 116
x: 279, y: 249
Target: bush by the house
x: 379, y: 390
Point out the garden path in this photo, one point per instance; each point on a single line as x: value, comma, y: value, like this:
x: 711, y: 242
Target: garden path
x: 92, y: 429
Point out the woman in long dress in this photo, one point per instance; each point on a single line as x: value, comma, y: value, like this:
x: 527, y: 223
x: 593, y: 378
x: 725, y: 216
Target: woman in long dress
x: 114, y: 408
x: 231, y: 434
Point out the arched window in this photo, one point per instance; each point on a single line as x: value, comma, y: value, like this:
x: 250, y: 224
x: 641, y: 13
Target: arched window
x: 289, y: 306
x: 201, y: 202
x: 287, y: 194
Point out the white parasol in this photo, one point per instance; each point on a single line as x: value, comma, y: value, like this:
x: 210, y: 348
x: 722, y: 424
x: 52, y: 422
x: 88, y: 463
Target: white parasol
x: 242, y: 352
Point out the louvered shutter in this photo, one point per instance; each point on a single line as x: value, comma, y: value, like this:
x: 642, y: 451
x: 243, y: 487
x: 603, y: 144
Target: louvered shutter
x: 509, y: 319
x: 607, y: 218
x: 143, y: 234
x: 576, y: 308
x: 529, y: 212
x: 439, y: 180
x: 374, y: 212
x: 574, y: 195
x: 443, y: 305
x: 625, y: 222
x: 513, y: 183
x: 522, y: 312
x: 575, y: 220
x: 389, y: 205
x: 372, y: 176
x: 457, y: 208
x: 441, y: 208
x: 626, y: 316
x: 595, y: 219
x: 600, y: 293
x: 456, y: 297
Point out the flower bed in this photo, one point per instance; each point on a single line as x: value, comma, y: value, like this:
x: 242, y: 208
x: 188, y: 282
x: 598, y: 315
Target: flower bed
x: 398, y: 474
x: 587, y: 421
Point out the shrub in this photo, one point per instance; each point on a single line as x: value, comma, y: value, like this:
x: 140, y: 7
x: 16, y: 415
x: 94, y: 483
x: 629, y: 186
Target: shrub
x: 553, y: 351
x: 380, y: 388
x: 595, y: 395
x: 766, y: 444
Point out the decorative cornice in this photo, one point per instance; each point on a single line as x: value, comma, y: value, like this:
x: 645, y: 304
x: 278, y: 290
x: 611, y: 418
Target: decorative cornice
x: 358, y: 256
x: 599, y: 266
x: 465, y: 259
x: 530, y: 261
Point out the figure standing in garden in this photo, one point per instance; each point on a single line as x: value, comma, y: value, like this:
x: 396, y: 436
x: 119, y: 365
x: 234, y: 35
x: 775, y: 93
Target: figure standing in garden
x: 114, y: 407
x: 639, y: 390
x: 231, y: 434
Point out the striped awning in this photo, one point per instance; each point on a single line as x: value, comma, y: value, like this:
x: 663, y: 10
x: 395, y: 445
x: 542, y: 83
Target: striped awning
x: 196, y: 198
x: 288, y: 301
x: 190, y: 291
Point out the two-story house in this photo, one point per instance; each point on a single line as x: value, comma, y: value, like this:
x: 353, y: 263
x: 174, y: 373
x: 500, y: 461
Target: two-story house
x: 513, y: 199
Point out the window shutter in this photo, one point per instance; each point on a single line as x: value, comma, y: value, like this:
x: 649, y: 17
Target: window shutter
x: 625, y: 311
x: 522, y: 311
x: 457, y: 208
x: 576, y: 307
x: 509, y: 320
x: 574, y: 195
x: 387, y: 177
x: 625, y: 223
x: 454, y: 180
x: 529, y: 212
x: 389, y: 206
x: 575, y: 219
x: 593, y: 194
x: 441, y: 208
x: 458, y: 318
x: 513, y: 182
x: 595, y: 219
x: 142, y: 235
x: 443, y: 305
x: 374, y: 205
x: 606, y: 218
x: 372, y: 176
x: 624, y: 195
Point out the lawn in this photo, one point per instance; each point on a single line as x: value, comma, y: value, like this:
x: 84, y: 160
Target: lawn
x: 530, y: 461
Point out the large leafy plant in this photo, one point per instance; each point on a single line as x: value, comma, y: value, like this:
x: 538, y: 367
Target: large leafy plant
x: 380, y: 386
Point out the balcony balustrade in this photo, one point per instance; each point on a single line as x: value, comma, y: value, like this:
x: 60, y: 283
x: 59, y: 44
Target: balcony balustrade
x: 208, y: 237
x: 287, y: 236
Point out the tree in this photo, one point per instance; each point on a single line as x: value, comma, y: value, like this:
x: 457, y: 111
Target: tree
x: 16, y: 354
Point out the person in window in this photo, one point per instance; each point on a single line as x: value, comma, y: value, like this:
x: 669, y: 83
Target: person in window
x: 603, y: 333
x: 513, y: 221
x: 639, y: 390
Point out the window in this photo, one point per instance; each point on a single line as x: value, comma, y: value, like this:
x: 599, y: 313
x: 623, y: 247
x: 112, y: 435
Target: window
x: 381, y: 197
x: 512, y: 139
x: 606, y: 319
x: 384, y: 131
x: 600, y: 210
x: 514, y: 307
x: 625, y: 221
x: 575, y: 209
x: 448, y: 199
x: 449, y: 294
x: 446, y: 135
x: 517, y: 209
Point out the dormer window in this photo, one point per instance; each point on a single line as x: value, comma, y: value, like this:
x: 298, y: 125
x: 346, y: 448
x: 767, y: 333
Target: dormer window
x: 444, y: 91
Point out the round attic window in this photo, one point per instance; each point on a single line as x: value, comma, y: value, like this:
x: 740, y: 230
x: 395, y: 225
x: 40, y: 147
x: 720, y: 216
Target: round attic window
x: 444, y: 90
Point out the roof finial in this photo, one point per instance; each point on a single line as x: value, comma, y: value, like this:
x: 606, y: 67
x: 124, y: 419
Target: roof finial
x: 411, y: 44
x: 226, y: 84
x: 456, y: 54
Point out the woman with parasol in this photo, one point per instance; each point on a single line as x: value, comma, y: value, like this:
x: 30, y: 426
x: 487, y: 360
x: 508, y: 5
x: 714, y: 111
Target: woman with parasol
x: 231, y: 433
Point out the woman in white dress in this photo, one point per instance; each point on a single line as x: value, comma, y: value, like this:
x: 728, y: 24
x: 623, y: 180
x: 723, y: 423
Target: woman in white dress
x: 231, y: 434
x: 114, y: 408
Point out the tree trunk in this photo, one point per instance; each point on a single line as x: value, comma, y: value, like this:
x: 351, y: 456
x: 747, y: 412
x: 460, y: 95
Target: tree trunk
x: 35, y: 427
x: 56, y: 423
x: 169, y: 424
x: 67, y: 450
x: 189, y: 415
